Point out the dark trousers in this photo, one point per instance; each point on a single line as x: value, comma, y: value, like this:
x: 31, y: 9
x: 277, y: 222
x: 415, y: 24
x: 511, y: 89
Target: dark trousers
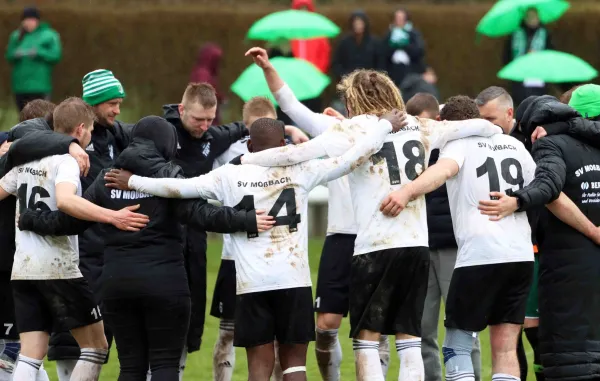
x: 149, y: 330
x: 23, y: 99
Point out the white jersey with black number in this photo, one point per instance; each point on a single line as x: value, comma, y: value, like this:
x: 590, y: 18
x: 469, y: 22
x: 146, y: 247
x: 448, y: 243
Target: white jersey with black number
x: 43, y: 257
x: 236, y: 149
x: 496, y: 164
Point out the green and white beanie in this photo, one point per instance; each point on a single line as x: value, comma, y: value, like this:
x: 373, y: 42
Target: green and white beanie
x: 100, y: 86
x: 586, y: 100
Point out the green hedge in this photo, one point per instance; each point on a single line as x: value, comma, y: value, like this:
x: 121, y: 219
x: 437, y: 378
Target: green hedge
x: 153, y: 50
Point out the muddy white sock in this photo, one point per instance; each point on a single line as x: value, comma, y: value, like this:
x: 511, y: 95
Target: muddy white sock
x: 384, y: 354
x: 64, y: 369
x: 42, y: 375
x: 27, y: 369
x: 504, y: 377
x: 89, y: 365
x: 329, y: 354
x: 366, y: 358
x: 411, y: 360
x: 224, y: 353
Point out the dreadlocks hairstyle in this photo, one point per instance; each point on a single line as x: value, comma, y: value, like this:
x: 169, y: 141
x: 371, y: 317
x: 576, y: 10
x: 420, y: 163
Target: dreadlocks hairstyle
x: 370, y: 92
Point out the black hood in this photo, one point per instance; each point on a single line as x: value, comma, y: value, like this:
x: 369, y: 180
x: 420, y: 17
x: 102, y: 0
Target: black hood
x: 171, y: 112
x: 23, y: 128
x: 542, y: 110
x: 361, y: 15
x: 154, y: 145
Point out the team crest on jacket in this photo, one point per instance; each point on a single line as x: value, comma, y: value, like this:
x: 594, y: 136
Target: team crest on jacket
x: 90, y: 147
x: 111, y: 152
x: 206, y: 149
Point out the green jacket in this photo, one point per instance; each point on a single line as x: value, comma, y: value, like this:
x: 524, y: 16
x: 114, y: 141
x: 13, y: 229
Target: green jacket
x: 33, y: 58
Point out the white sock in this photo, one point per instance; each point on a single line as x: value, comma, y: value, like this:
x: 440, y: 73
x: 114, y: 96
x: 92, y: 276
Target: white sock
x: 366, y: 358
x: 504, y: 377
x: 411, y: 360
x: 89, y: 365
x: 384, y: 354
x: 182, y: 362
x: 329, y: 354
x: 64, y: 369
x: 27, y: 369
x: 224, y: 353
x: 42, y: 375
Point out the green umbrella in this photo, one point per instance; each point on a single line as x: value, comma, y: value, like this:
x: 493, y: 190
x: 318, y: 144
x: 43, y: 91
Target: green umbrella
x: 548, y: 66
x: 292, y: 24
x: 305, y: 80
x: 506, y: 15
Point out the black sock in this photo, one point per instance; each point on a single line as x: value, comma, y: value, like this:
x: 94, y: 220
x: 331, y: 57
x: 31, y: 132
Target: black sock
x: 532, y: 337
x: 522, y: 357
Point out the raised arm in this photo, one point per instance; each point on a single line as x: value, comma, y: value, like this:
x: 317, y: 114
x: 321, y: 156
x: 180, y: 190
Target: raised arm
x: 313, y: 123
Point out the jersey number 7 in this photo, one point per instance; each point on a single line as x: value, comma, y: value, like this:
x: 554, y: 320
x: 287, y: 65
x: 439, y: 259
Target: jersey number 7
x: 287, y: 197
x: 388, y: 152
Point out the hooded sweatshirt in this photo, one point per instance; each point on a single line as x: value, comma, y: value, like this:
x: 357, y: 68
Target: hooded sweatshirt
x: 317, y: 50
x: 151, y: 260
x: 353, y: 53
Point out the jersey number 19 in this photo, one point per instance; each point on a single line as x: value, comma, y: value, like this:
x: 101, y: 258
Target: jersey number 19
x: 489, y: 167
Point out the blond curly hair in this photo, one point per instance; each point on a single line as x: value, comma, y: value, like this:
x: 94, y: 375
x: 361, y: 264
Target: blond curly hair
x: 370, y: 92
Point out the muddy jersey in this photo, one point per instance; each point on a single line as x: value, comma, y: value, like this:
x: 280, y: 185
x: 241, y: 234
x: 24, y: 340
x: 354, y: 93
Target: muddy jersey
x: 43, y: 257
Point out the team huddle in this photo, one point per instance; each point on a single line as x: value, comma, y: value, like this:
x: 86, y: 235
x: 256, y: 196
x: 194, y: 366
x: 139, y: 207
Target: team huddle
x: 375, y: 263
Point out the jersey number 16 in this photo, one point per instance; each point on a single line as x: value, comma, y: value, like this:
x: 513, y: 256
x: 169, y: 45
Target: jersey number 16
x: 32, y: 204
x: 287, y: 197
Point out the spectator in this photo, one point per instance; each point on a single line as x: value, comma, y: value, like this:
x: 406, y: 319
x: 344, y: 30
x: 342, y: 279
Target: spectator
x: 206, y: 70
x: 532, y: 36
x: 317, y: 50
x: 403, y: 49
x: 357, y: 49
x: 32, y: 50
x: 415, y: 83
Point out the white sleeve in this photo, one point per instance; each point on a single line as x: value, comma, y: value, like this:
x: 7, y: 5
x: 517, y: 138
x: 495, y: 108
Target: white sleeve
x: 67, y: 171
x: 311, y: 122
x: 456, y: 151
x: 205, y: 186
x: 320, y: 172
x: 288, y: 155
x: 9, y: 181
x: 442, y: 132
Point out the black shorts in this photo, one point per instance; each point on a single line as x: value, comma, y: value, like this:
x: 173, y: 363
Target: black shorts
x: 57, y: 304
x: 8, y: 322
x: 488, y: 295
x: 333, y: 281
x: 285, y: 315
x: 387, y: 291
x: 223, y: 303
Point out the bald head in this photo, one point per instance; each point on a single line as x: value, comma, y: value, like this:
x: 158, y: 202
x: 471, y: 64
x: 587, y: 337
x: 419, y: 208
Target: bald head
x: 496, y: 105
x: 266, y: 133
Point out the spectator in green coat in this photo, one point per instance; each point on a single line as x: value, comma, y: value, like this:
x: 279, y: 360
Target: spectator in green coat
x: 32, y: 50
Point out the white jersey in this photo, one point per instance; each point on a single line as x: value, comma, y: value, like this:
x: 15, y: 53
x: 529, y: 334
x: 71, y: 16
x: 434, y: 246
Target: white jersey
x: 402, y: 158
x: 340, y: 213
x: 277, y: 259
x: 43, y: 257
x: 236, y: 149
x: 496, y: 164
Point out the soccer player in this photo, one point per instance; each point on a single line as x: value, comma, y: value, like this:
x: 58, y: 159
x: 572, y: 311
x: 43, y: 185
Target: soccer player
x: 333, y: 282
x: 47, y: 284
x: 385, y: 247
x: 274, y: 298
x: 223, y: 303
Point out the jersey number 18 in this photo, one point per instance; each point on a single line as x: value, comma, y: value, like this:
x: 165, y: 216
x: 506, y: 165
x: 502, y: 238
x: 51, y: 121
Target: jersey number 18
x: 388, y: 152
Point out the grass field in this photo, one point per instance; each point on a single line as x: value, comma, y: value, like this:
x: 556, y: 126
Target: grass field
x: 199, y: 365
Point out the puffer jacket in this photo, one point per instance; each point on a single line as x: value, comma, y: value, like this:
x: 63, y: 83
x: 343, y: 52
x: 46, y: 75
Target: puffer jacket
x: 569, y: 282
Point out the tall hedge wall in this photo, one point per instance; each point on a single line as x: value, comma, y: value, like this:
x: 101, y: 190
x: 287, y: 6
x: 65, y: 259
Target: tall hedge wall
x: 153, y: 50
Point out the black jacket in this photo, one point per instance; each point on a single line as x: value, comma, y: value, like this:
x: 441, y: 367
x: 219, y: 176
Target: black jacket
x: 351, y: 55
x: 439, y: 219
x: 415, y: 51
x: 196, y: 157
x: 33, y: 140
x: 134, y: 261
x: 569, y: 284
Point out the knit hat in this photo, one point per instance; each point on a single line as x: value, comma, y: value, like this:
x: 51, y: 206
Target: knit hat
x: 586, y: 100
x: 30, y: 12
x: 100, y: 86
